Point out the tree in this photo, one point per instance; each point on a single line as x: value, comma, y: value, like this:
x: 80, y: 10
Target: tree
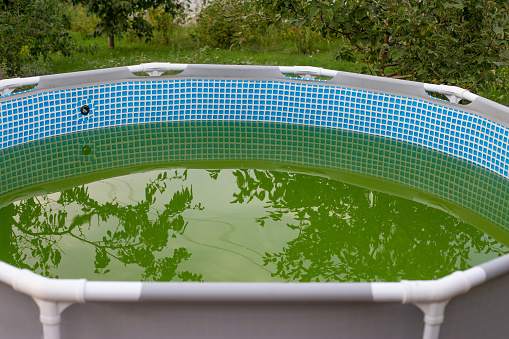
x: 225, y: 23
x: 119, y: 16
x: 458, y: 42
x: 30, y: 29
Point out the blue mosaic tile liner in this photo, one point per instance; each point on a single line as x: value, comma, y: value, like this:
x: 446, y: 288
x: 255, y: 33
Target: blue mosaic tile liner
x: 452, y: 131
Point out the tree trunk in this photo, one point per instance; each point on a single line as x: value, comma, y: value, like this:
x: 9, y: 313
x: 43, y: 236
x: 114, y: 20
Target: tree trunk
x: 111, y: 41
x: 1, y: 75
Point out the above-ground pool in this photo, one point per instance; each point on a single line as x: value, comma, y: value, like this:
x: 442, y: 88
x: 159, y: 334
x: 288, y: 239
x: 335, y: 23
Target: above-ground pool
x: 251, y: 202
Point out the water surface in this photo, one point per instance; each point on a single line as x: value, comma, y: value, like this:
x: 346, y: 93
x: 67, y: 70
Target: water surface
x: 245, y: 202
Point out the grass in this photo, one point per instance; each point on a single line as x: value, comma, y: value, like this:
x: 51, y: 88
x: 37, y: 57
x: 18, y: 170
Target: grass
x: 95, y: 54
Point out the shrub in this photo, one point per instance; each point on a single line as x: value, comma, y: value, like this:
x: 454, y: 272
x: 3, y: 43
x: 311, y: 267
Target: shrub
x: 164, y: 23
x: 225, y: 23
x: 303, y: 37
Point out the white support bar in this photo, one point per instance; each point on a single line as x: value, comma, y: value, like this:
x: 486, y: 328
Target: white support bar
x: 158, y: 68
x: 387, y: 292
x: 442, y: 289
x: 256, y: 292
x: 453, y: 93
x: 112, y: 291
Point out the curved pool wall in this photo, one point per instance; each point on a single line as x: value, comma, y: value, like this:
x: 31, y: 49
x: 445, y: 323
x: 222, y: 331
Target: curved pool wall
x: 402, y: 111
x: 410, y: 171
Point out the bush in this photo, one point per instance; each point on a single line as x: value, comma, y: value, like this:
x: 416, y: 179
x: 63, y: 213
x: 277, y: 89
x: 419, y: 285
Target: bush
x: 225, y: 23
x: 303, y: 37
x: 165, y: 24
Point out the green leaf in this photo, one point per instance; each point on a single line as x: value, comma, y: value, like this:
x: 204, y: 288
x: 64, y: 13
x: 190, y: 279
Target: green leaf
x: 479, y: 59
x: 313, y: 11
x: 348, y: 27
x: 396, y: 54
x: 498, y: 30
x: 359, y: 13
x: 339, y: 19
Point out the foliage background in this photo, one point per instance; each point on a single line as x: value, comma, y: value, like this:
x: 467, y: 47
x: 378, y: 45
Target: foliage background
x: 29, y: 31
x: 456, y: 42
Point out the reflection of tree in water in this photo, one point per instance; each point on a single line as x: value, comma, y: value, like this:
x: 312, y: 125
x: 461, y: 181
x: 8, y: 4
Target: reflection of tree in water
x: 33, y: 228
x: 343, y: 232
x: 347, y: 233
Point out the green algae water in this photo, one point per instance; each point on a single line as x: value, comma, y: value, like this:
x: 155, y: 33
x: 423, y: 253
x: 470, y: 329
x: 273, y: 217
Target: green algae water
x: 232, y: 201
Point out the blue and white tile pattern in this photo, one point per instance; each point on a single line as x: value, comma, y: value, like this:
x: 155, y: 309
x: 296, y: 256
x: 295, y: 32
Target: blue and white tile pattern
x: 453, y: 131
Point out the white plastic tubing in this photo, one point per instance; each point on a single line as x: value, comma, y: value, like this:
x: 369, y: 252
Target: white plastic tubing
x: 454, y: 94
x: 54, y: 295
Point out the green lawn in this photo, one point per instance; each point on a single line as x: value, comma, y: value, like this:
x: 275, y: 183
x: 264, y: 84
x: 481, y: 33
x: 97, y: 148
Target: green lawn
x: 129, y: 52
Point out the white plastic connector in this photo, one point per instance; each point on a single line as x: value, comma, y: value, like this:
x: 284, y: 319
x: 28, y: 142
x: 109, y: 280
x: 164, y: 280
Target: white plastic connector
x: 8, y: 85
x: 58, y: 290
x: 453, y: 93
x: 422, y: 291
x: 307, y: 72
x: 50, y: 317
x: 157, y: 68
x: 433, y: 318
x: 431, y: 296
x: 454, y: 284
x: 52, y: 296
